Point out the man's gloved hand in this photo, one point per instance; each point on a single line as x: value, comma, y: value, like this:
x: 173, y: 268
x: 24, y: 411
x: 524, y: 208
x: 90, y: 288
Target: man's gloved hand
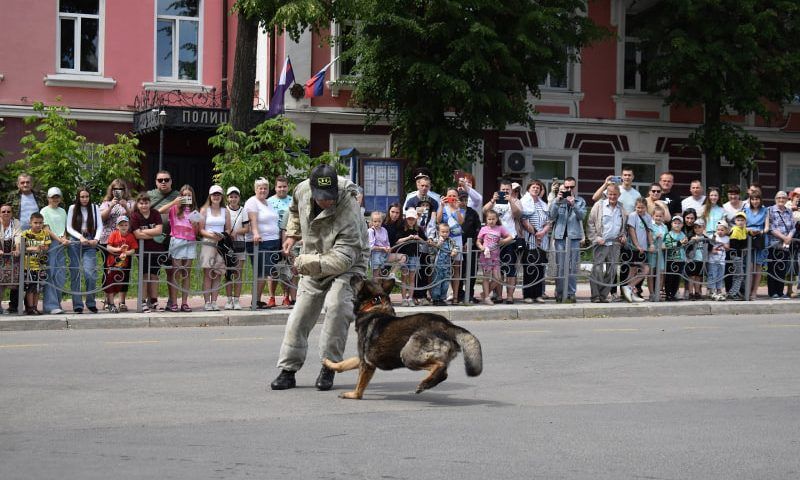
x: 308, y: 264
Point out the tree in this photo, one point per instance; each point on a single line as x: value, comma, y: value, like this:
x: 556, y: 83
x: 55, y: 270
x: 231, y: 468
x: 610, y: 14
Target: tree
x: 268, y: 150
x: 56, y: 156
x: 441, y: 72
x: 289, y: 16
x: 728, y: 56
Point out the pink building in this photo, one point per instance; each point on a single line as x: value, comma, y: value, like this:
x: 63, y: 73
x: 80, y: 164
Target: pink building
x: 114, y: 61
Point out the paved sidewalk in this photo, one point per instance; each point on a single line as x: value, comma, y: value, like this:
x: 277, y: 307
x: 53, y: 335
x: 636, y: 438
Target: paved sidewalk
x: 278, y: 315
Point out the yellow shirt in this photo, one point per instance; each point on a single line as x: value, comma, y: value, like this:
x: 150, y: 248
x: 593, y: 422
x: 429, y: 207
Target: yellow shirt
x: 35, y: 260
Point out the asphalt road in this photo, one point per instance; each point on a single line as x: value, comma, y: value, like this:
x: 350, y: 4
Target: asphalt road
x: 637, y: 398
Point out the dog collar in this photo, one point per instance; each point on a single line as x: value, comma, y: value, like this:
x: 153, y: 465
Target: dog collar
x: 372, y: 303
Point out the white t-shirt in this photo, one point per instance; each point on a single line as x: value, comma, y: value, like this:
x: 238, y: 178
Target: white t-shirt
x: 267, y: 219
x: 506, y: 217
x: 690, y: 202
x: 27, y: 206
x: 237, y: 217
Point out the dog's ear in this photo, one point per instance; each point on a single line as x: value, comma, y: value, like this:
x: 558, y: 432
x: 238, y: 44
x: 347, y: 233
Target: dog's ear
x: 356, y: 282
x: 387, y: 285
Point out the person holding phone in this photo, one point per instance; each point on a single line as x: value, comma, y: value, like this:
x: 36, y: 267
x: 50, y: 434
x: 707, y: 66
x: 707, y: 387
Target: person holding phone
x: 509, y: 209
x: 214, y: 221
x: 627, y: 192
x: 116, y: 203
x: 465, y: 183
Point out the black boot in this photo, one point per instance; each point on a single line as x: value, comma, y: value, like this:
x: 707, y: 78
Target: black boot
x: 284, y: 381
x: 325, y: 379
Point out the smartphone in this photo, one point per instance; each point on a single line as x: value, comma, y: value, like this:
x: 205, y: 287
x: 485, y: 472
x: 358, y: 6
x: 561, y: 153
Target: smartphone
x: 186, y: 200
x: 501, y: 198
x: 616, y: 179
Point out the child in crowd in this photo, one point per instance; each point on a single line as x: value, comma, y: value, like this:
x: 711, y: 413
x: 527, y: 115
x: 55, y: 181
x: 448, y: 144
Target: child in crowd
x: 407, y: 237
x: 490, y: 239
x: 655, y: 258
x: 184, y: 221
x: 37, y: 241
x: 380, y: 248
x: 738, y: 244
x: 640, y: 235
x: 716, y: 262
x: 121, y: 245
x: 446, y: 250
x: 674, y: 242
x: 696, y: 252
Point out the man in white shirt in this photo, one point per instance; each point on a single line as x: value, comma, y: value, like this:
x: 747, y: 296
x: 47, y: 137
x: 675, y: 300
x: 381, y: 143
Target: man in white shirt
x: 627, y: 192
x: 607, y: 232
x: 696, y: 199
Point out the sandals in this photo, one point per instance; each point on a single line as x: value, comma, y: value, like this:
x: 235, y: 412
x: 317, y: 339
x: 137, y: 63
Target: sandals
x: 173, y: 308
x: 123, y: 307
x: 184, y: 308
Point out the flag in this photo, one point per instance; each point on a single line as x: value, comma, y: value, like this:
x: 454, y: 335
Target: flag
x: 315, y: 84
x: 276, y: 105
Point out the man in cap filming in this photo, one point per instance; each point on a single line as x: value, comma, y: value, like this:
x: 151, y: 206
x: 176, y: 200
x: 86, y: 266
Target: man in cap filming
x: 324, y: 213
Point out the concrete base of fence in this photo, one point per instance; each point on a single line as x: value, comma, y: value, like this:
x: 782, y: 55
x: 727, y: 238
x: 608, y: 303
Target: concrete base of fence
x: 454, y: 313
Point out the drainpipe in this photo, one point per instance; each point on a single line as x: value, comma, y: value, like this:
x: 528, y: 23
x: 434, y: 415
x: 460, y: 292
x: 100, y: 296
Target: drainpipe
x: 224, y: 94
x: 273, y: 52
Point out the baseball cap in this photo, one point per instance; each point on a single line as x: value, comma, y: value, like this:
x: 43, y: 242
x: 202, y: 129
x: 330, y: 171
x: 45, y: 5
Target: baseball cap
x: 411, y: 213
x: 740, y: 214
x: 700, y: 222
x: 233, y: 190
x: 53, y: 191
x: 214, y: 189
x: 678, y: 218
x: 122, y: 218
x: 722, y: 223
x: 324, y: 183
x: 515, y: 185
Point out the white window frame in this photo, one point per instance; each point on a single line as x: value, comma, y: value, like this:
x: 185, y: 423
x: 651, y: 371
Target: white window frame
x: 335, y: 83
x: 788, y: 159
x: 77, y: 17
x: 660, y: 161
x: 174, y: 79
x: 373, y: 146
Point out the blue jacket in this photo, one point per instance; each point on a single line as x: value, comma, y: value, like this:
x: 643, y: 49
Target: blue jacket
x: 570, y: 218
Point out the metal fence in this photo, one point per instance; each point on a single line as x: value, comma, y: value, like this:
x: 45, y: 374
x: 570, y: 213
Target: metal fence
x: 776, y: 262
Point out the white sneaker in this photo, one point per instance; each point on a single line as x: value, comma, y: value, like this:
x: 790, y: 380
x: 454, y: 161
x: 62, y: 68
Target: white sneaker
x: 626, y: 292
x: 55, y: 311
x: 229, y: 304
x: 637, y: 298
x: 214, y: 306
x: 208, y: 307
x: 236, y: 305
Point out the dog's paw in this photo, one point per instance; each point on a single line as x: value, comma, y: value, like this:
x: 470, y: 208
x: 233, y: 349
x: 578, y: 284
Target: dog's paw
x: 351, y: 395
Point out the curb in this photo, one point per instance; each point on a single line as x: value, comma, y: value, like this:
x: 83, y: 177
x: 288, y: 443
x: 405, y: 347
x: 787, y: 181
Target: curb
x: 455, y: 314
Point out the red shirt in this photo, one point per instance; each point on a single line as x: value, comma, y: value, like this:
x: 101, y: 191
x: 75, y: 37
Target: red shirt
x: 128, y: 243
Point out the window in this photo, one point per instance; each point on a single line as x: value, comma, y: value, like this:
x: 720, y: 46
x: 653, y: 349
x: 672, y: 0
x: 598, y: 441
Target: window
x: 343, y: 33
x: 644, y: 174
x: 79, y: 33
x: 178, y: 40
x: 547, y: 170
x: 635, y: 79
x: 790, y: 171
x: 558, y: 80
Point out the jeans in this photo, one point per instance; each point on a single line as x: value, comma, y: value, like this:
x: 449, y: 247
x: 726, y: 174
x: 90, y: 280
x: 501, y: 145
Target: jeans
x: 567, y: 274
x: 82, y: 260
x: 56, y: 276
x: 440, y: 283
x: 715, y: 274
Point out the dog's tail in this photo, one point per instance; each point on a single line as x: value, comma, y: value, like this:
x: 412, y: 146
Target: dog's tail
x: 471, y: 348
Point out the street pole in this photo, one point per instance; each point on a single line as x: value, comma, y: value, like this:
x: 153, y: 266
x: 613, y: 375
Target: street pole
x: 162, y: 121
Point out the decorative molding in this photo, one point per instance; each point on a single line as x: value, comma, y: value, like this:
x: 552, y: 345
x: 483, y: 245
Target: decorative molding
x: 79, y: 81
x: 161, y: 86
x: 642, y: 103
x: 558, y: 98
x: 95, y: 115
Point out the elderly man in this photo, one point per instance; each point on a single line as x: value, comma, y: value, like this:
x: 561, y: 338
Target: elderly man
x: 607, y: 232
x: 325, y: 214
x: 24, y: 201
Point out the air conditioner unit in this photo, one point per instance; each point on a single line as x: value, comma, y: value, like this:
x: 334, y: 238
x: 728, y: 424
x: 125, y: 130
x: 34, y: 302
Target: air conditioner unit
x: 517, y: 161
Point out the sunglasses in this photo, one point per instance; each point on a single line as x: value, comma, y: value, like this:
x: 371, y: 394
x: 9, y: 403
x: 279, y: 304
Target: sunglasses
x: 163, y: 180
x: 656, y: 191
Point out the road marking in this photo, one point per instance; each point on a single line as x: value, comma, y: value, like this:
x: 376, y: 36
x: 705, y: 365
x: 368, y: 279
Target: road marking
x: 24, y: 345
x: 235, y: 339
x: 614, y: 330
x: 701, y: 328
x: 786, y: 325
x: 532, y: 331
x: 137, y: 342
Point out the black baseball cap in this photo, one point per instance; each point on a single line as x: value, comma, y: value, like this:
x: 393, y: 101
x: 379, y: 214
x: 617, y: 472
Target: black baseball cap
x: 324, y: 183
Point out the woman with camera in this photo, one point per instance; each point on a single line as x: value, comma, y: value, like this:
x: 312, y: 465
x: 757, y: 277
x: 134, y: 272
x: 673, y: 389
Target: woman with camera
x: 116, y: 203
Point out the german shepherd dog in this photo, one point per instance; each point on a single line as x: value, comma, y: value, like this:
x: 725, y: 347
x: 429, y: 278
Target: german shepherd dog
x: 423, y: 341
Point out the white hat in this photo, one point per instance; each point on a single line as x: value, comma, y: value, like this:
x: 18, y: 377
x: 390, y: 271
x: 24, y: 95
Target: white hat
x: 515, y: 185
x: 53, y: 191
x: 411, y: 213
x: 234, y: 190
x: 678, y: 218
x: 215, y: 189
x: 122, y: 218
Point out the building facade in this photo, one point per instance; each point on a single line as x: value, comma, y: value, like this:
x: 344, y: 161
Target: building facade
x: 118, y: 63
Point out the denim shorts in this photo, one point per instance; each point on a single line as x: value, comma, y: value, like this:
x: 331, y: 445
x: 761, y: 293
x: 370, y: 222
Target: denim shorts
x: 377, y: 259
x: 412, y: 263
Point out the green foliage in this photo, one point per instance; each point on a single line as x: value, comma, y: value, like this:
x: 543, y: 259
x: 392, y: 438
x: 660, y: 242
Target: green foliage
x: 268, y: 150
x: 728, y: 56
x: 295, y: 16
x: 56, y: 156
x: 441, y: 72
x: 727, y: 140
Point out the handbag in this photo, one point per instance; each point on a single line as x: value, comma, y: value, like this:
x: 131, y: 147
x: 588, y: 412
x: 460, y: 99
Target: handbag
x: 225, y: 248
x: 758, y: 242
